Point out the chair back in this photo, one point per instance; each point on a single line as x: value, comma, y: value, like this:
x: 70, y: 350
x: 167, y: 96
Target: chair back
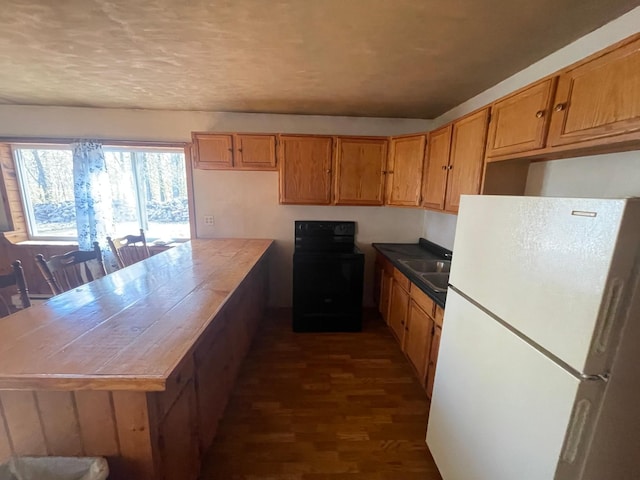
x: 16, y: 278
x: 130, y: 249
x: 72, y: 269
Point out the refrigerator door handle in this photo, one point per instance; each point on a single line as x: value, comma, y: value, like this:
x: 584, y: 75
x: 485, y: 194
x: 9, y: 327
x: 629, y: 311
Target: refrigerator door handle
x: 576, y: 432
x: 612, y: 303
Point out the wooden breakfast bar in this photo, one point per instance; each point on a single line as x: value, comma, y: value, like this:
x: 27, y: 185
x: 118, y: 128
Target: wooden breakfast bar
x: 137, y: 366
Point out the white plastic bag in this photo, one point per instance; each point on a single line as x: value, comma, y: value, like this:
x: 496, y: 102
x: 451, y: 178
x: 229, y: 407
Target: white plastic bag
x: 57, y: 468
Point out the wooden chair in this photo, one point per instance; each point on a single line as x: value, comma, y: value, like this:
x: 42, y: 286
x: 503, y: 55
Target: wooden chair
x: 126, y: 251
x: 72, y: 269
x: 16, y: 277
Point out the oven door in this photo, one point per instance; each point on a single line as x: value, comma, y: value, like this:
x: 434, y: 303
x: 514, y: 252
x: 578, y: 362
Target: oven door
x: 327, y: 292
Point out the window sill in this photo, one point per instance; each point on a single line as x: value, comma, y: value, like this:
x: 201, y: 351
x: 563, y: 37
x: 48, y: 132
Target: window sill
x: 71, y: 243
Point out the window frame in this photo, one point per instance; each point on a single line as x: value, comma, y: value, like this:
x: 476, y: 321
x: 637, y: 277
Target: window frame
x: 112, y: 146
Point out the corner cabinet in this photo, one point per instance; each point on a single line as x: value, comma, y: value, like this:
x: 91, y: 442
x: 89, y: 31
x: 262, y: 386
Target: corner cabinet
x: 305, y: 169
x: 454, y: 163
x: 404, y: 170
x: 599, y: 99
x: 360, y: 170
x: 221, y: 151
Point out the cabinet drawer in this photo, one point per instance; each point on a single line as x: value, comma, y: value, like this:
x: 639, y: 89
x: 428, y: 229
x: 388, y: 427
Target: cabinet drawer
x: 423, y: 300
x: 403, y: 281
x: 439, y: 317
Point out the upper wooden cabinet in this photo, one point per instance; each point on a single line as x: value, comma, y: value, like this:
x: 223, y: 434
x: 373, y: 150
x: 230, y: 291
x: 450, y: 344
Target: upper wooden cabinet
x: 255, y: 152
x: 519, y: 122
x: 404, y: 170
x: 305, y: 169
x: 234, y: 151
x: 212, y: 151
x: 598, y: 99
x: 454, y: 162
x: 466, y: 158
x: 359, y: 171
x: 434, y: 179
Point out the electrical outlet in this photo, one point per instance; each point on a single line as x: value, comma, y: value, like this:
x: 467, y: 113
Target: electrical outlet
x: 208, y: 220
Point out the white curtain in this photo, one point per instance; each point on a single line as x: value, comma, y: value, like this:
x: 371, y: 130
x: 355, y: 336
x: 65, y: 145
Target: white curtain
x: 94, y: 217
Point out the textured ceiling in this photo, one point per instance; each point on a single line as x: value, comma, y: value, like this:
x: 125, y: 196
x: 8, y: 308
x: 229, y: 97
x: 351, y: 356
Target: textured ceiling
x: 389, y: 58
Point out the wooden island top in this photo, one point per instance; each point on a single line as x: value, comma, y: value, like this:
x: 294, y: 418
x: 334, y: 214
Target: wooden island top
x: 129, y: 330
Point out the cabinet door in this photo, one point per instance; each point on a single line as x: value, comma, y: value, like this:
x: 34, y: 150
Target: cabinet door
x: 417, y: 342
x: 212, y: 151
x: 359, y: 174
x: 433, y: 359
x: 305, y: 170
x: 467, y: 158
x: 255, y: 152
x: 519, y: 122
x: 434, y: 179
x: 179, y: 452
x: 398, y: 309
x: 598, y: 99
x: 385, y: 295
x: 404, y: 173
x: 212, y: 385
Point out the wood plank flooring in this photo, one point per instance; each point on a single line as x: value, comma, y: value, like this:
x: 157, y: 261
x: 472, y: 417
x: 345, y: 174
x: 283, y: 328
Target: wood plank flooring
x: 323, y: 406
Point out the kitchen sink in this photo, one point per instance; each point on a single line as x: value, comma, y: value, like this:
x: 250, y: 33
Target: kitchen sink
x: 437, y: 281
x: 427, y: 266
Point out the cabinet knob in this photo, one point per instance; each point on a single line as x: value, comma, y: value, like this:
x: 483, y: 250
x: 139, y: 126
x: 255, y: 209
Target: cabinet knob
x: 560, y: 107
x: 444, y: 167
x: 240, y: 150
x: 328, y: 171
x: 540, y: 114
x: 389, y: 171
x: 230, y: 149
x: 450, y: 167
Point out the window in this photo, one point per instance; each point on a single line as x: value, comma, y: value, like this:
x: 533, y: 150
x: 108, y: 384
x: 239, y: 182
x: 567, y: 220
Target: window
x: 148, y: 190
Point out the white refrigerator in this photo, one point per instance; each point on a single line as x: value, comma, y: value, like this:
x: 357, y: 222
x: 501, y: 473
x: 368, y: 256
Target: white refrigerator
x: 538, y: 373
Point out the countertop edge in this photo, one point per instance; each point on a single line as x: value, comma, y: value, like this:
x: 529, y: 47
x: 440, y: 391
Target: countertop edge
x: 438, y: 298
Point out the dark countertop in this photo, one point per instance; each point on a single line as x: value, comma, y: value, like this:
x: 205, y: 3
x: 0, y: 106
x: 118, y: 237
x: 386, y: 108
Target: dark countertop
x: 423, y: 250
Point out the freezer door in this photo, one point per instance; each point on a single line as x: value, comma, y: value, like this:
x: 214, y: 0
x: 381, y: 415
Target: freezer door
x: 550, y: 267
x: 501, y: 410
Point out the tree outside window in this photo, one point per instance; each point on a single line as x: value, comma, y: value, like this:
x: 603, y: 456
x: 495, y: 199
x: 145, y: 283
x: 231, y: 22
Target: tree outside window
x: 148, y: 187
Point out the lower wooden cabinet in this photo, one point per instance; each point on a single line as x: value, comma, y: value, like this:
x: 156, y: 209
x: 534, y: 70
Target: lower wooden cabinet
x: 413, y: 317
x: 178, y: 446
x: 417, y: 340
x: 398, y: 309
x: 382, y: 290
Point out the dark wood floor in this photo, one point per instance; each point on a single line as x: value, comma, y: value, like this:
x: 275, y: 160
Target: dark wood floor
x: 323, y: 406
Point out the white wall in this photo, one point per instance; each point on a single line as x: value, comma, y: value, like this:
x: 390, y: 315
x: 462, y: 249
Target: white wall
x: 176, y: 126
x: 613, y: 175
x: 244, y: 204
